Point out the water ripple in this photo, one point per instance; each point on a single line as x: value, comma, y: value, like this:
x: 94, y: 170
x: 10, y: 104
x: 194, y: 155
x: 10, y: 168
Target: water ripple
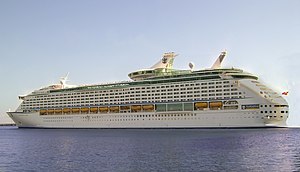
x: 149, y: 150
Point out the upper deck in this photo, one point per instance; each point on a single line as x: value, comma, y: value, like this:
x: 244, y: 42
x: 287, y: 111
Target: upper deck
x: 171, y: 76
x: 161, y: 72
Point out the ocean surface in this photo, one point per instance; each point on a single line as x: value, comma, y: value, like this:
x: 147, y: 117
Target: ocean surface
x: 141, y: 150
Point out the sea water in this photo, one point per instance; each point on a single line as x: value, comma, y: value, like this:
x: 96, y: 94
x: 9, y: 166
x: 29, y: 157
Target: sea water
x: 149, y: 149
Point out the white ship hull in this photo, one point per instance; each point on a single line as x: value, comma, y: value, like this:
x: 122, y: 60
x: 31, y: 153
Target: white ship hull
x: 206, y: 119
x: 159, y: 97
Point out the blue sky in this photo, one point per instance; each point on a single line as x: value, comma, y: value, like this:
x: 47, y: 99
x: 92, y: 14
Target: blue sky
x: 102, y: 41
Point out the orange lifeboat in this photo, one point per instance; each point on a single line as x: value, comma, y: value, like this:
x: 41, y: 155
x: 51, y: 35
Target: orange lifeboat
x: 114, y: 109
x: 66, y: 110
x: 75, y: 110
x: 43, y: 112
x: 201, y: 105
x: 84, y: 109
x: 148, y: 107
x: 94, y: 109
x: 124, y: 107
x: 136, y: 108
x: 215, y: 105
x: 50, y: 111
x: 103, y: 109
x: 57, y: 111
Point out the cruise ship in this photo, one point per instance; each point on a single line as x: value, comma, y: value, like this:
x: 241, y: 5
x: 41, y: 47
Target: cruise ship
x: 158, y: 97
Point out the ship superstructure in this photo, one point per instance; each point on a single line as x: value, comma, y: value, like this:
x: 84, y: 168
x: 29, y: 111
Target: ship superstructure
x: 158, y: 97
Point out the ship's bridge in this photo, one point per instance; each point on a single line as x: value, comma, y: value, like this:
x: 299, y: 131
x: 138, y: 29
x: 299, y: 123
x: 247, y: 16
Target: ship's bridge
x: 162, y: 66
